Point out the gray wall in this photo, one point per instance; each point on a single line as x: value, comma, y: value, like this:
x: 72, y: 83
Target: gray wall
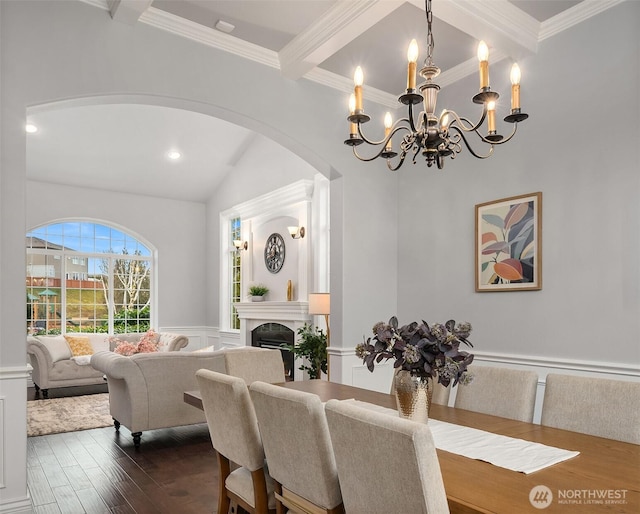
x: 175, y: 228
x: 580, y: 147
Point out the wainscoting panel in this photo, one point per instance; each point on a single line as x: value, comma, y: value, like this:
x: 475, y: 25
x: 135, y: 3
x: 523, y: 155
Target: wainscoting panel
x: 380, y: 379
x: 199, y: 337
x: 13, y: 440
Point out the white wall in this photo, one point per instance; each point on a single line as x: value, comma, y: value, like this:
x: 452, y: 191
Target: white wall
x: 265, y: 167
x: 175, y: 228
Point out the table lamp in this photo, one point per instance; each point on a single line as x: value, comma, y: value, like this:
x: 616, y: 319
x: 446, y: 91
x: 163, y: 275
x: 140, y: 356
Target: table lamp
x: 320, y: 304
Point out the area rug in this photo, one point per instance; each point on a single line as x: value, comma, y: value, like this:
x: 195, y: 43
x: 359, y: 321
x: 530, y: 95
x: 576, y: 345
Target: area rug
x: 69, y: 414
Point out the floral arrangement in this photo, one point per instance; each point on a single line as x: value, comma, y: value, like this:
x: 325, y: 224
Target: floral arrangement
x: 148, y: 343
x: 422, y: 349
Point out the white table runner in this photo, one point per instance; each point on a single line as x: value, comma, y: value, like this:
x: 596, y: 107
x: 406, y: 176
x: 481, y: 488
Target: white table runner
x: 499, y: 450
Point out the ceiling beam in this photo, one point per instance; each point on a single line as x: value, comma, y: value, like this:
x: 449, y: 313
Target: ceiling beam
x: 127, y: 11
x: 498, y: 22
x: 340, y: 25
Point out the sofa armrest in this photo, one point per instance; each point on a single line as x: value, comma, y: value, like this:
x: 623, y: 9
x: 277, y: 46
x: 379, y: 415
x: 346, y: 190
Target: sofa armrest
x: 173, y: 342
x: 113, y: 365
x: 39, y: 352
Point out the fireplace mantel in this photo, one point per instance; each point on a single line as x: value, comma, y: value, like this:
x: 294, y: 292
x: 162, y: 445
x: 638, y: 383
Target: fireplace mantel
x: 292, y: 315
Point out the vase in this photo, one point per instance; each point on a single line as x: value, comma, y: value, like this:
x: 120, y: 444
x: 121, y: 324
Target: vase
x: 413, y: 395
x: 257, y: 298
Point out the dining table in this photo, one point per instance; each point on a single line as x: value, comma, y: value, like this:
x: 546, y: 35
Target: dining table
x: 604, y: 477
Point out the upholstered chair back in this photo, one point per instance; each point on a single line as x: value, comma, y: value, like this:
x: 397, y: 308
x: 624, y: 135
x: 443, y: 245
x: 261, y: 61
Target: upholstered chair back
x: 509, y: 393
x: 595, y: 406
x: 385, y: 463
x: 254, y: 364
x: 231, y: 418
x: 297, y: 444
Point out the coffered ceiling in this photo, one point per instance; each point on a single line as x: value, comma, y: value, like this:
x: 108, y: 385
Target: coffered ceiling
x: 317, y: 40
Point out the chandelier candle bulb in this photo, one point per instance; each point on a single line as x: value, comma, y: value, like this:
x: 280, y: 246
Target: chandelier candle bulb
x: 353, y: 129
x: 412, y: 56
x: 358, y: 79
x: 491, y: 117
x: 483, y: 57
x: 515, y: 87
x: 388, y: 123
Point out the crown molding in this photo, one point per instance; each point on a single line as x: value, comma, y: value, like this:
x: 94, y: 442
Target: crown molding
x: 576, y: 14
x: 515, y: 29
x: 208, y: 36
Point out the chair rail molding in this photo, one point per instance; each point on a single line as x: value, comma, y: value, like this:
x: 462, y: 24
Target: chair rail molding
x: 13, y: 429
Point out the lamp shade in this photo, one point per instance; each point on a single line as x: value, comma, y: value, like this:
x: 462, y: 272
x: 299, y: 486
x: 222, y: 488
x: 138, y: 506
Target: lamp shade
x: 319, y: 303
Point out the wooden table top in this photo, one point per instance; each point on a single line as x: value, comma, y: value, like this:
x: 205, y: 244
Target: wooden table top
x: 604, y: 478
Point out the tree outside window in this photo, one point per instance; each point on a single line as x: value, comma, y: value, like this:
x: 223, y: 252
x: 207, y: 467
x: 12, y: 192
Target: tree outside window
x: 87, y: 277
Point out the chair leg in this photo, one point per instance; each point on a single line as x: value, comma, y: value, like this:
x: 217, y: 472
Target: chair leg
x: 223, y: 498
x: 137, y: 436
x: 45, y: 394
x: 280, y: 508
x: 260, y: 491
x: 116, y: 424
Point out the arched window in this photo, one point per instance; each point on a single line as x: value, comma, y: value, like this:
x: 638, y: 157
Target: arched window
x: 87, y: 277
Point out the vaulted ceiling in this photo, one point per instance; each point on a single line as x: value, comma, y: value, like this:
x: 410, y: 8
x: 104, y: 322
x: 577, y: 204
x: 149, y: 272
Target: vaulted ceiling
x: 317, y: 40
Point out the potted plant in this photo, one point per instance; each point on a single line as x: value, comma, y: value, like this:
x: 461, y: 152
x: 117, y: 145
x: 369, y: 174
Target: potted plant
x: 422, y: 353
x: 257, y: 292
x: 312, y: 345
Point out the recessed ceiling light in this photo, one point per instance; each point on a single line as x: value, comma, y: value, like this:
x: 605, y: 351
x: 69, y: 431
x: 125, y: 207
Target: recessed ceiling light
x: 174, y: 155
x: 225, y: 26
x: 30, y: 128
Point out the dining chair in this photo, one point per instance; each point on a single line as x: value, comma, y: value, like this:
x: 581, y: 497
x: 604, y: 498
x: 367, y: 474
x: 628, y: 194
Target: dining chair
x: 441, y: 393
x: 253, y: 364
x: 595, y: 406
x: 297, y: 444
x: 505, y: 392
x: 374, y: 450
x: 236, y: 438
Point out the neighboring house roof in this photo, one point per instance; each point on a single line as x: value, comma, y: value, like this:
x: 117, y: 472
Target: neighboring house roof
x: 36, y: 242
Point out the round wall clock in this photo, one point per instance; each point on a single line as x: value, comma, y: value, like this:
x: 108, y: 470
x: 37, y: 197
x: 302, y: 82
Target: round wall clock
x: 274, y: 252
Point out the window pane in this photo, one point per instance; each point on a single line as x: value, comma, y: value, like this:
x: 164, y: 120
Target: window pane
x: 90, y: 286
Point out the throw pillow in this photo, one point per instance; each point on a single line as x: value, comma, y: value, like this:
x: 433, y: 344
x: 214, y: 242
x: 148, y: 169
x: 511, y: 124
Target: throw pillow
x: 57, y: 346
x: 79, y: 345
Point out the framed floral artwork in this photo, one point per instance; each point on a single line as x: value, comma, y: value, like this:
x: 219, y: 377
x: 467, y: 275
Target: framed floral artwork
x: 508, y: 250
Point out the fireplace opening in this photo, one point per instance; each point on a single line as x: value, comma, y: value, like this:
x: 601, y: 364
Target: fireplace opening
x: 276, y: 336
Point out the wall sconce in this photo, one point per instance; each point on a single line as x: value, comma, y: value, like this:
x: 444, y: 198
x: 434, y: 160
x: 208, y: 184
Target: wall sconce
x: 296, y: 232
x: 240, y: 245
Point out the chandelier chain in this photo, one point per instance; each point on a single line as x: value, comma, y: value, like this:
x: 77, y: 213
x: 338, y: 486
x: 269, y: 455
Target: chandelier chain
x: 430, y: 40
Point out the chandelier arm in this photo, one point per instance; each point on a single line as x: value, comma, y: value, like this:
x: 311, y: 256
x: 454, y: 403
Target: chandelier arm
x: 367, y: 159
x: 400, y: 162
x: 470, y: 127
x: 466, y: 143
x: 411, y: 121
x: 397, y: 127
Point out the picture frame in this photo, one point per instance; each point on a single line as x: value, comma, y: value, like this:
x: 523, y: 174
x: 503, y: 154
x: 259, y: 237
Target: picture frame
x: 508, y: 244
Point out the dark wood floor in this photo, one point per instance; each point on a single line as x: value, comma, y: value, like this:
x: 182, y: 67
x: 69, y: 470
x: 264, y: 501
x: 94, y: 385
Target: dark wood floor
x: 99, y: 470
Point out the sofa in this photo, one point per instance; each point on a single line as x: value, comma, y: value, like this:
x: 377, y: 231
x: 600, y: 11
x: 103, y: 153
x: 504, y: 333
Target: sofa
x: 55, y: 365
x: 146, y: 390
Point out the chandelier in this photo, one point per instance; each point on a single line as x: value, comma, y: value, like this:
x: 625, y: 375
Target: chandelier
x: 435, y: 137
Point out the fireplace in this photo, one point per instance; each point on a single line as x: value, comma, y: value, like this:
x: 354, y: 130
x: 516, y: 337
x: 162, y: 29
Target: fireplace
x: 276, y: 336
x: 279, y: 316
